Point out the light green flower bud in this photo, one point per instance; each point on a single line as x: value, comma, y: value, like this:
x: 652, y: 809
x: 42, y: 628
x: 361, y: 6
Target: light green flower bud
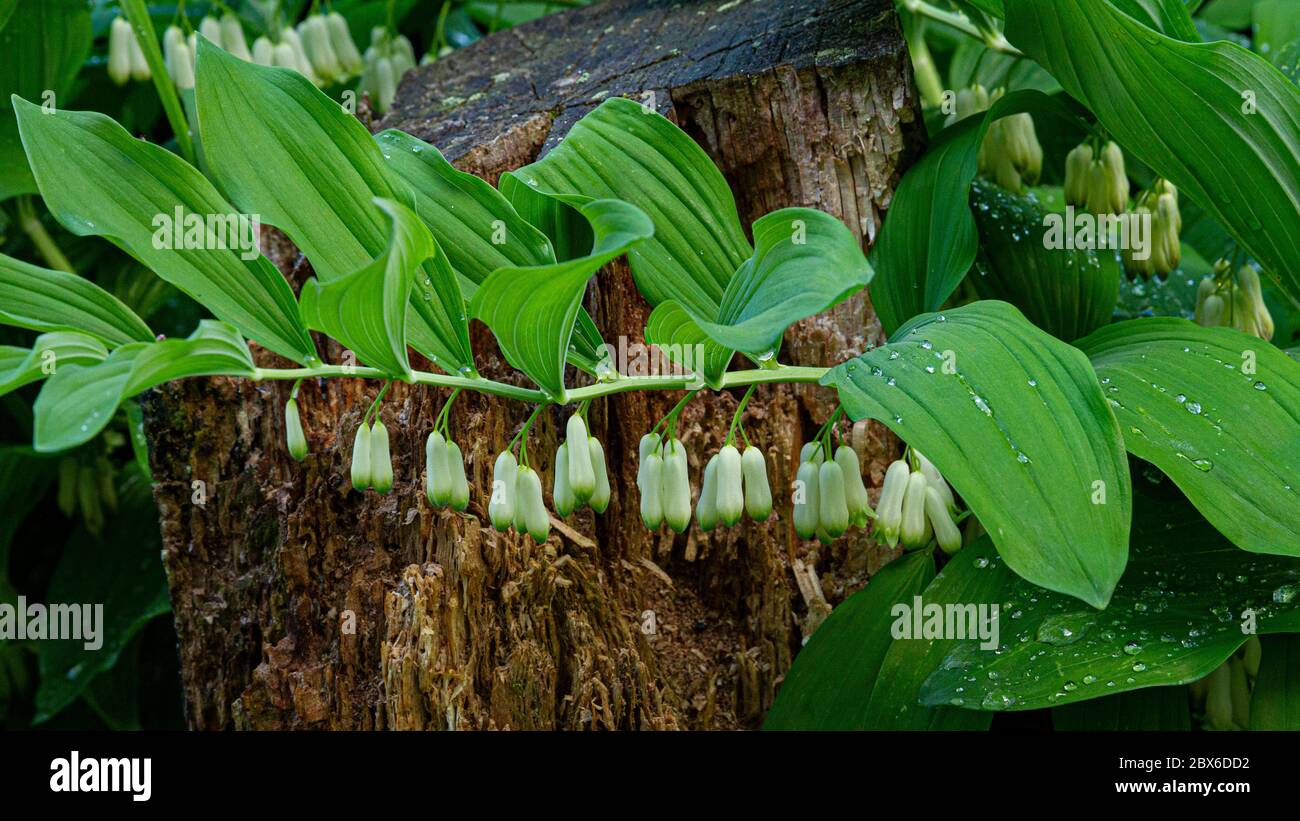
x: 501, y: 506
x: 651, y: 485
x: 706, y: 510
x: 1218, y: 699
x: 120, y: 38
x: 1204, y: 290
x: 832, y: 510
x: 649, y: 444
x: 536, y: 520
x: 139, y: 65
x: 731, y: 495
x: 296, y: 439
x: 1145, y: 267
x: 934, y: 479
x: 561, y: 489
x: 806, y: 510
x: 855, y: 492
x: 263, y: 52
x: 1248, y: 281
x: 385, y: 84
x: 283, y: 56
x: 437, y: 475
x: 1242, y: 309
x: 1211, y: 314
x: 302, y: 62
x: 173, y: 39
x: 1252, y: 653
x: 318, y: 48
x: 812, y: 452
x: 676, y: 487
x: 1240, y: 690
x: 381, y: 462
x: 455, y: 462
x: 183, y: 71
x: 582, y: 479
x: 1113, y: 159
x: 599, y: 500
x: 210, y: 28
x: 945, y: 529
x: 344, y: 46
x: 232, y: 37
x: 889, y: 511
x: 1077, y: 164
x: 1165, y: 230
x: 912, y: 530
x: 758, y: 493
x: 361, y: 458
x: 403, y: 54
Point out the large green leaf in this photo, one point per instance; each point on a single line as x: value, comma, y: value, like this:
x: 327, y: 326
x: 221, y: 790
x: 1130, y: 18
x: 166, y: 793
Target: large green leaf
x: 622, y: 150
x: 1169, y: 17
x: 1067, y: 292
x: 532, y: 310
x: 1276, y: 24
x: 804, y: 262
x: 1235, y: 151
x: 46, y: 300
x: 910, y: 658
x: 929, y: 238
x: 119, y: 572
x: 1187, y: 601
x: 1153, y: 708
x: 42, y: 45
x: 831, y: 679
x: 1275, y: 701
x: 1015, y: 420
x: 78, y: 401
x: 476, y: 225
x: 22, y: 366
x: 1217, y: 411
x: 367, y: 309
x: 98, y: 180
x: 281, y: 148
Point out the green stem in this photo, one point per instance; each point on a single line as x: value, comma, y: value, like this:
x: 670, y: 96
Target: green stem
x: 138, y: 16
x: 45, y: 244
x: 959, y: 21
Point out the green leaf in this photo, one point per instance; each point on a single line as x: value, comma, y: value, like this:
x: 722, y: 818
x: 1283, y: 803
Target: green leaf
x: 1276, y: 25
x: 804, y: 262
x: 623, y: 151
x: 1236, y: 152
x: 910, y: 657
x: 1187, y: 403
x: 120, y: 572
x: 1067, y: 292
x: 831, y: 679
x: 78, y: 401
x: 46, y: 300
x: 366, y: 310
x: 1275, y: 701
x: 532, y: 310
x: 1016, y: 422
x: 476, y: 225
x: 42, y: 46
x: 929, y: 238
x: 1169, y: 17
x: 98, y: 180
x: 1152, y: 708
x: 1181, y: 609
x: 281, y: 148
x: 22, y: 366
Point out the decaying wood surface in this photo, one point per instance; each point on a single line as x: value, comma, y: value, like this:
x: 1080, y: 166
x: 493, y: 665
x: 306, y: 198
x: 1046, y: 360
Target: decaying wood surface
x: 303, y: 604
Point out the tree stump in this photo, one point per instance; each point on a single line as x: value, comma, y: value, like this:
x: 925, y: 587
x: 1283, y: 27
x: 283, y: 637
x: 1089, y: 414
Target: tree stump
x: 301, y: 603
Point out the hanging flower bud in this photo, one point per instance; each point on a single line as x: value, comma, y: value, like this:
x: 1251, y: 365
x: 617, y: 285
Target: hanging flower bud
x: 731, y: 495
x: 183, y: 74
x: 501, y: 506
x: 855, y: 492
x: 139, y: 65
x: 293, y: 431
x: 455, y: 462
x: 319, y: 49
x: 1020, y: 142
x: 1248, y: 281
x: 1113, y: 159
x: 1242, y: 309
x: 302, y: 62
x: 706, y: 510
x: 536, y: 521
x: 1211, y: 314
x: 969, y: 101
x: 676, y: 487
x: 1251, y: 654
x: 283, y: 56
x: 934, y: 479
x: 344, y: 46
x: 832, y: 509
x: 1077, y: 174
x: 263, y: 52
x: 1165, y: 232
x: 1240, y: 691
x: 648, y: 445
x: 361, y: 458
x: 1205, y: 289
x: 381, y: 462
x: 912, y: 530
x: 437, y: 475
x: 889, y: 512
x: 120, y: 38
x: 1218, y: 699
x: 807, y: 504
x: 582, y: 479
x: 403, y: 54
x: 758, y: 494
x: 599, y: 500
x: 210, y: 28
x: 232, y: 37
x: 1150, y: 264
x: 651, y: 486
x: 812, y: 452
x: 385, y: 83
x: 945, y: 530
x: 175, y: 54
x: 561, y: 488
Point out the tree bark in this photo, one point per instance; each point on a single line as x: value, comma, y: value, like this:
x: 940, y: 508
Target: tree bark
x: 301, y: 603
